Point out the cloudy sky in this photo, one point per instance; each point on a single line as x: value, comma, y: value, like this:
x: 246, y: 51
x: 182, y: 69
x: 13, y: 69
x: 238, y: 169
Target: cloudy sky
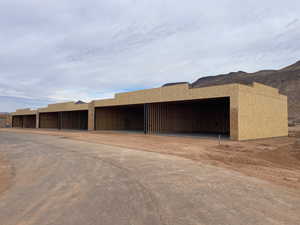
x: 62, y: 50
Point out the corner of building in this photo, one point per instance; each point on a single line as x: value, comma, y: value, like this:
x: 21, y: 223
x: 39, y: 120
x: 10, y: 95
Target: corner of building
x: 262, y: 112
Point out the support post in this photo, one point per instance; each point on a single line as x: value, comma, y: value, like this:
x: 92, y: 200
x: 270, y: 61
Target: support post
x: 145, y: 119
x: 37, y: 120
x: 91, y: 116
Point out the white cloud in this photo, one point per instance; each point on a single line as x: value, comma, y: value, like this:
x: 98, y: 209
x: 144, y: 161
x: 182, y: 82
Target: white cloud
x: 69, y: 50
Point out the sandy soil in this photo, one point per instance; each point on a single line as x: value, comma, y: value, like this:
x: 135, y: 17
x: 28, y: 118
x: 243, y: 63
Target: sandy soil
x: 6, y: 174
x: 68, y: 182
x: 276, y: 160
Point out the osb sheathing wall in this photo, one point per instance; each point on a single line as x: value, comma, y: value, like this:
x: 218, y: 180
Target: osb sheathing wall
x: 91, y: 116
x: 23, y: 112
x: 178, y: 93
x: 262, y: 112
x: 65, y: 106
x: 20, y: 112
x: 58, y: 107
x: 170, y: 93
x: 256, y: 111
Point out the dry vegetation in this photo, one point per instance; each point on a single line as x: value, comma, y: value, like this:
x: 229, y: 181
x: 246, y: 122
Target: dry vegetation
x: 275, y: 160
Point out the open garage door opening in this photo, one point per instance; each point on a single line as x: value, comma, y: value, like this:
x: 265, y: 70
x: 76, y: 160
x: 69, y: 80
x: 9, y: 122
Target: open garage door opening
x: 17, y: 121
x: 49, y: 120
x: 75, y: 120
x: 127, y: 118
x: 24, y: 121
x: 207, y: 116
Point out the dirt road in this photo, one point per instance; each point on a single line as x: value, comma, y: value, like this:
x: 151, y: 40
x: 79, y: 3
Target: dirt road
x: 62, y: 181
x: 6, y: 173
x: 275, y: 160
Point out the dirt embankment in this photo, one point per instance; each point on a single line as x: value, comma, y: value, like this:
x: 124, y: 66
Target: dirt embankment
x: 276, y: 160
x: 6, y: 174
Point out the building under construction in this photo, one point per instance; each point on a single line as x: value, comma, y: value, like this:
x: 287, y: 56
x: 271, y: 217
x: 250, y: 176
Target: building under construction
x: 239, y: 111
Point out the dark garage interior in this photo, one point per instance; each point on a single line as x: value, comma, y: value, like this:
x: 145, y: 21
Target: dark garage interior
x: 49, y: 120
x: 17, y: 121
x: 129, y: 117
x: 76, y: 120
x: 24, y: 121
x: 29, y: 121
x: 209, y: 116
x: 194, y: 116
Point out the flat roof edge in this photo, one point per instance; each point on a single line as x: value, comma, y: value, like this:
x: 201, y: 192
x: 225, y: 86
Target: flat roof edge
x: 176, y: 92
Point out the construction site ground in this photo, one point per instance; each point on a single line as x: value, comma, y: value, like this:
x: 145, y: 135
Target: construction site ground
x: 216, y: 183
x: 276, y: 160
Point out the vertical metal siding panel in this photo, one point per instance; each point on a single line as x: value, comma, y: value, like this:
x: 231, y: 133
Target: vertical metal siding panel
x: 144, y: 119
x: 167, y: 119
x: 151, y: 119
x: 159, y: 118
x: 164, y: 117
x: 155, y: 117
x: 161, y: 107
x: 148, y: 118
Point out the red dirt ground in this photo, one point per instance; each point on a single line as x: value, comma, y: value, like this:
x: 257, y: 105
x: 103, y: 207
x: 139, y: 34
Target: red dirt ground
x: 276, y: 160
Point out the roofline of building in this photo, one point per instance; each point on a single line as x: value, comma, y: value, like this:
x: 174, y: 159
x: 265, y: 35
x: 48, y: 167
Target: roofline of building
x: 178, y: 92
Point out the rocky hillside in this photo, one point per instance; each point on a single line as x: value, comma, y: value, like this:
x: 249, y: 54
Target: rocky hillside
x: 287, y: 80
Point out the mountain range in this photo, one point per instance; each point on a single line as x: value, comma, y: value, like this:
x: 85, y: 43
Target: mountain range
x: 287, y: 80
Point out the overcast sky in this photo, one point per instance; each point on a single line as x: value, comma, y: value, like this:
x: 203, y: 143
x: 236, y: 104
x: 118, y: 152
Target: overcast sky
x: 62, y: 50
